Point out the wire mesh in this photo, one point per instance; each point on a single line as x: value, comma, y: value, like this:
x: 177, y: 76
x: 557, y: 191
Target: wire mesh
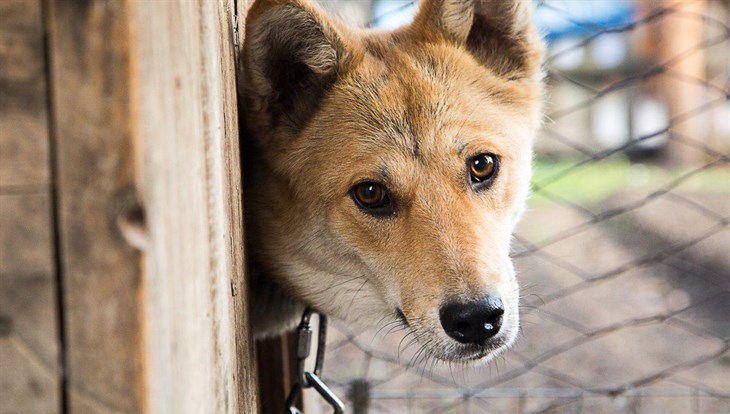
x: 624, y: 256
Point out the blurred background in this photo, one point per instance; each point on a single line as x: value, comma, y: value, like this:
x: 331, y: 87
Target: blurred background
x: 624, y: 254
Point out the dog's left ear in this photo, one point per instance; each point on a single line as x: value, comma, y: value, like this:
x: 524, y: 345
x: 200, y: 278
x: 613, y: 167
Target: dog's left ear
x: 498, y: 33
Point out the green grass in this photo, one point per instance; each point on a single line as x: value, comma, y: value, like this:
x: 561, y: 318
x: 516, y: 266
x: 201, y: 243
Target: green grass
x: 596, y: 181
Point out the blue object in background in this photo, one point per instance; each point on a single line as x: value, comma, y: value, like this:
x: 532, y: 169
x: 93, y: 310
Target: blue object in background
x: 390, y: 14
x: 556, y: 18
x: 581, y: 18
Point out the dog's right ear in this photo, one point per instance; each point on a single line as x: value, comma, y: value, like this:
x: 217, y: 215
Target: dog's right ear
x: 498, y: 33
x: 292, y: 54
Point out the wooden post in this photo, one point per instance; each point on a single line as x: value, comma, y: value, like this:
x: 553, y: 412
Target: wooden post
x: 199, y: 346
x: 680, y: 39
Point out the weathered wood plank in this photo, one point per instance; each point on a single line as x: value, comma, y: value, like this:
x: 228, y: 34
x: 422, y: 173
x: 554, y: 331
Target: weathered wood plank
x: 89, y: 50
x: 30, y: 377
x: 200, y: 350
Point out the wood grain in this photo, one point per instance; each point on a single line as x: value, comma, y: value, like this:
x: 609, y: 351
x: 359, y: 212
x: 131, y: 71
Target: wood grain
x: 199, y: 345
x: 101, y: 278
x: 30, y: 377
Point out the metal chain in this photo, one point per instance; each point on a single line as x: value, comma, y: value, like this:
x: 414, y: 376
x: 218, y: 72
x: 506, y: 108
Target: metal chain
x: 311, y: 379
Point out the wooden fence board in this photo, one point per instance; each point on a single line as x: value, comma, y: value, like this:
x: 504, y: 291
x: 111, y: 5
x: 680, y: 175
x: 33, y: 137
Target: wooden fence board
x: 199, y: 348
x: 89, y: 51
x: 30, y: 378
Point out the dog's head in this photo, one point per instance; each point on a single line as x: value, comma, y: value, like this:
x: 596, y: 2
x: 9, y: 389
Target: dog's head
x: 392, y: 167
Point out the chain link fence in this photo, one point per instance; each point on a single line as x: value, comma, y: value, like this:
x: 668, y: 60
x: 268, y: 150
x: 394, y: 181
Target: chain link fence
x: 624, y: 255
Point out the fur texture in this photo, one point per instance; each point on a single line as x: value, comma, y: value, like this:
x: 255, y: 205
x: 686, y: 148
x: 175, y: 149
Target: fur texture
x: 328, y: 107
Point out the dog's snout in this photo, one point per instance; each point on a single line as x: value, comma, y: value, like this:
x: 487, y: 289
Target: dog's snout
x: 474, y: 322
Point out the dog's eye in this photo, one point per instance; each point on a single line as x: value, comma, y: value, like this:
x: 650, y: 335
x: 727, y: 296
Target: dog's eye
x: 482, y: 170
x: 373, y: 198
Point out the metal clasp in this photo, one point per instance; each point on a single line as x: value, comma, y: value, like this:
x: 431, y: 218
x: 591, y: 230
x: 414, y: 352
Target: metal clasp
x: 311, y: 379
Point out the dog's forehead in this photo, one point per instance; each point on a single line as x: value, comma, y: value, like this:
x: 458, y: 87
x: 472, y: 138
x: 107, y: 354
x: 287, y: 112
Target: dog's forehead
x: 421, y: 99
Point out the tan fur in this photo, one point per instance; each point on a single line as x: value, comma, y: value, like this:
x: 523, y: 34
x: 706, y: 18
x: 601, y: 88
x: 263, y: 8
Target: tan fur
x: 406, y: 108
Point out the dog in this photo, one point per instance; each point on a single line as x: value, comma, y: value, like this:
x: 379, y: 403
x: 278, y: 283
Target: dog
x: 385, y: 171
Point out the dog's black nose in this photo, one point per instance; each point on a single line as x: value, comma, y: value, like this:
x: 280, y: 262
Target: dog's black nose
x: 475, y: 322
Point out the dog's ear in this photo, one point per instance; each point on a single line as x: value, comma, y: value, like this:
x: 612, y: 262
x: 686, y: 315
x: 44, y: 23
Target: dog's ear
x: 498, y: 33
x: 292, y: 55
